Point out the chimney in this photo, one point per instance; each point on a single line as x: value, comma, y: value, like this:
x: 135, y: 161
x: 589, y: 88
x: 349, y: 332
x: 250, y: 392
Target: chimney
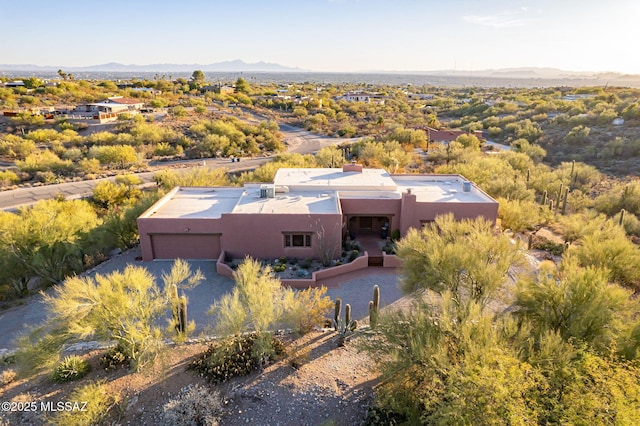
x: 353, y: 167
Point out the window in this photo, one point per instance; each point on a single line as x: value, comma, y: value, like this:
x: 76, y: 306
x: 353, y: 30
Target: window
x: 297, y: 240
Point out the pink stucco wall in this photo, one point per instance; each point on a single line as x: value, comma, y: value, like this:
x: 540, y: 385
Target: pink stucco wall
x: 390, y: 261
x: 413, y: 212
x: 372, y: 207
x: 256, y: 235
x: 316, y: 278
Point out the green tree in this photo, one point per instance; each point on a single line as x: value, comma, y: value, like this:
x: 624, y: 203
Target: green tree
x: 197, y: 76
x: 330, y: 156
x: 242, y: 86
x: 608, y: 247
x: 577, y: 303
x: 124, y: 307
x: 45, y: 241
x: 464, y: 257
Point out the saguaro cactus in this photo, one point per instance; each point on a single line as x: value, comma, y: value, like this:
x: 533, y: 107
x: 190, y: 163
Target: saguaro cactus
x: 336, y: 313
x: 182, y: 315
x: 374, y: 307
x: 621, y: 222
x: 544, y: 198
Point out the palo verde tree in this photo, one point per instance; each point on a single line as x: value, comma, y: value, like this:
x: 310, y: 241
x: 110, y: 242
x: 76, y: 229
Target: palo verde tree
x: 123, y: 306
x: 577, y: 303
x: 464, y: 257
x: 258, y: 302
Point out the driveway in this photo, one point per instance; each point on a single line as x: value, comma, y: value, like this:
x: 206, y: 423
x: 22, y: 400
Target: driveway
x: 356, y: 289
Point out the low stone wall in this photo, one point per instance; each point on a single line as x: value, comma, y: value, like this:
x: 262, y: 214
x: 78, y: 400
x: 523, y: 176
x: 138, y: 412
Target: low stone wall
x: 222, y: 268
x: 362, y: 262
x: 390, y: 261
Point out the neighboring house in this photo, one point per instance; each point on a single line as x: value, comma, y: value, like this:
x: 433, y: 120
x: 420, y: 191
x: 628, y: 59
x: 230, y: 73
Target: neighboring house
x: 356, y: 97
x: 618, y: 121
x: 107, y: 110
x: 16, y: 83
x: 363, y: 97
x: 131, y: 103
x: 300, y: 211
x: 443, y: 136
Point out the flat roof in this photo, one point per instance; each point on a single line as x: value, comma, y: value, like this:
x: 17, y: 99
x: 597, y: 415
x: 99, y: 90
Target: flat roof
x: 440, y: 189
x: 313, y: 191
x: 198, y: 203
x: 335, y: 179
x: 295, y: 202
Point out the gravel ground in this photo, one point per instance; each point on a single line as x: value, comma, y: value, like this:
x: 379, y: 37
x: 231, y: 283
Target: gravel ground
x: 356, y: 290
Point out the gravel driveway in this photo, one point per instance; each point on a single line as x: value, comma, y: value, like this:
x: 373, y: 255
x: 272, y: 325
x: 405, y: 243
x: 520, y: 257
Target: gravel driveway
x: 356, y: 290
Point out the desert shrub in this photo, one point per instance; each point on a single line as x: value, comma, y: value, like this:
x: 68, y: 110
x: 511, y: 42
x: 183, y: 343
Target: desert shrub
x: 541, y: 243
x: 306, y: 263
x: 7, y: 377
x: 114, y: 358
x: 231, y: 357
x: 7, y: 177
x: 280, y: 267
x: 98, y: 402
x: 520, y: 215
x: 194, y: 405
x: 354, y: 254
x: 389, y: 247
x: 71, y: 368
x: 307, y: 308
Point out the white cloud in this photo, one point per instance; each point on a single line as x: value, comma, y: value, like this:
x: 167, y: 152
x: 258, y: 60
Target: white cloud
x: 499, y: 20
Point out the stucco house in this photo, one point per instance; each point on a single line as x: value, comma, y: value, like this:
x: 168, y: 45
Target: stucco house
x: 302, y: 211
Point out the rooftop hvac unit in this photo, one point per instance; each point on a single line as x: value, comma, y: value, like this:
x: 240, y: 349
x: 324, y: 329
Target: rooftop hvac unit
x: 466, y: 186
x: 267, y: 191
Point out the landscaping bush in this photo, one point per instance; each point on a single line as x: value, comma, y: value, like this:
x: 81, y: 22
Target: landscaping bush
x: 114, y: 358
x: 98, y: 402
x: 194, y: 405
x: 7, y: 377
x: 541, y: 243
x: 231, y: 357
x: 354, y: 254
x: 280, y: 267
x: 71, y: 368
x: 307, y: 308
x: 306, y: 263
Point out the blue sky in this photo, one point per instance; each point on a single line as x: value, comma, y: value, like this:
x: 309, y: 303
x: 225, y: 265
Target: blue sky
x: 326, y: 35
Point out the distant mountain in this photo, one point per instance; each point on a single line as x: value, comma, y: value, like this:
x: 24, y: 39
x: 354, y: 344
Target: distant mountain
x: 227, y: 66
x: 516, y: 73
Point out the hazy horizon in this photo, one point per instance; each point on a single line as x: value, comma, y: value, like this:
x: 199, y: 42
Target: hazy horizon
x: 327, y: 35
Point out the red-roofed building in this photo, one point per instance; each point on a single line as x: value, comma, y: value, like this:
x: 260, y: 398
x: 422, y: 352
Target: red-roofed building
x: 434, y: 135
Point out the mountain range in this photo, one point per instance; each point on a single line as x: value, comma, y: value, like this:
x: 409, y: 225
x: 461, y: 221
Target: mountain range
x: 241, y: 66
x: 226, y: 66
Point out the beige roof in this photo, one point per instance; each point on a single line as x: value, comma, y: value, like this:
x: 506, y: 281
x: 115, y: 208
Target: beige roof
x: 296, y: 202
x: 314, y: 191
x: 334, y: 179
x: 441, y: 189
x: 197, y: 202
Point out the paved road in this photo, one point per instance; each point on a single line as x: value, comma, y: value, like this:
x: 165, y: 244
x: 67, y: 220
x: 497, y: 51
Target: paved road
x: 10, y: 200
x: 298, y: 140
x: 355, y: 290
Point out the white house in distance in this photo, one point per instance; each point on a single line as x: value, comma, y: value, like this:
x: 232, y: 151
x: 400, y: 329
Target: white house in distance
x: 362, y: 97
x: 109, y: 109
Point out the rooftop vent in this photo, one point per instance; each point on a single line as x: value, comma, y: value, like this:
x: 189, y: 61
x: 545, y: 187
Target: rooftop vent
x: 466, y: 186
x: 267, y: 191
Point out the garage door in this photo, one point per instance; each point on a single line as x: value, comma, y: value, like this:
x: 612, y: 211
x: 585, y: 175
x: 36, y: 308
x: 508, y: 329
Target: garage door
x: 193, y: 246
